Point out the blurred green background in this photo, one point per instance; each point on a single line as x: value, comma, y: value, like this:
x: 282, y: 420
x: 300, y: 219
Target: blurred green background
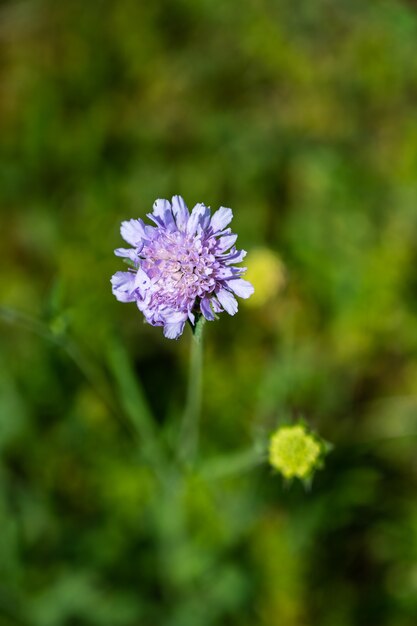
x: 302, y: 117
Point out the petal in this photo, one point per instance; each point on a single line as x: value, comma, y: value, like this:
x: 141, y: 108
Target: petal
x: 129, y: 253
x: 173, y: 317
x: 215, y: 305
x: 226, y: 272
x: 173, y: 331
x: 162, y: 214
x: 142, y: 281
x: 133, y: 231
x: 206, y: 309
x: 242, y: 288
x: 123, y: 285
x: 234, y: 256
x: 174, y: 322
x: 224, y: 243
x: 160, y: 207
x: 205, y: 216
x: 180, y: 211
x: 200, y: 216
x: 227, y: 300
x: 148, y: 314
x: 221, y: 218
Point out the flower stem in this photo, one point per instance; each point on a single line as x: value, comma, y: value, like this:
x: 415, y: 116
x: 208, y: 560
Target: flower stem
x: 191, y: 417
x: 234, y: 464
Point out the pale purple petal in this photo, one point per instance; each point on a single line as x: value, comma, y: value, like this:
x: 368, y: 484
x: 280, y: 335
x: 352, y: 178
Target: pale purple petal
x: 242, y: 288
x: 180, y: 211
x: 234, y: 256
x: 129, y: 253
x: 226, y: 242
x: 205, y: 216
x: 227, y: 300
x: 173, y: 331
x: 215, y: 305
x: 123, y: 284
x: 160, y: 207
x: 200, y: 216
x: 174, y: 322
x: 206, y: 309
x: 133, y: 231
x: 142, y: 281
x: 221, y: 218
x: 172, y: 317
x: 227, y: 272
x: 162, y: 214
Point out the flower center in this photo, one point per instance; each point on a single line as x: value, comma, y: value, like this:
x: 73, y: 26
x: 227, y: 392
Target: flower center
x: 180, y: 264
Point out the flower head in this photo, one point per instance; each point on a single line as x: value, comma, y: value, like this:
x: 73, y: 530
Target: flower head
x: 295, y: 452
x: 182, y: 267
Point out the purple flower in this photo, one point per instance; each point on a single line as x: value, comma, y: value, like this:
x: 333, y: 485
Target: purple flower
x: 182, y: 267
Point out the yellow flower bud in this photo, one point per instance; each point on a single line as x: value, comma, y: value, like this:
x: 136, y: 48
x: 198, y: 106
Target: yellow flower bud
x: 294, y: 452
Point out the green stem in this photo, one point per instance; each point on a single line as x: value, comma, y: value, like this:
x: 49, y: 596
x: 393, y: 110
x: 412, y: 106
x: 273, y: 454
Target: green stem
x: 134, y: 403
x: 191, y: 418
x: 234, y: 464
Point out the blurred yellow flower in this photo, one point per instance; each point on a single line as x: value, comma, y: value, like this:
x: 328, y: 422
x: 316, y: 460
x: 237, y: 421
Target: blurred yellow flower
x: 294, y: 452
x: 266, y: 272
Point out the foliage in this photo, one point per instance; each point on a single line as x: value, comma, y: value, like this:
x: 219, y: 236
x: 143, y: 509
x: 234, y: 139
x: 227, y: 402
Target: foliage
x: 303, y: 121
